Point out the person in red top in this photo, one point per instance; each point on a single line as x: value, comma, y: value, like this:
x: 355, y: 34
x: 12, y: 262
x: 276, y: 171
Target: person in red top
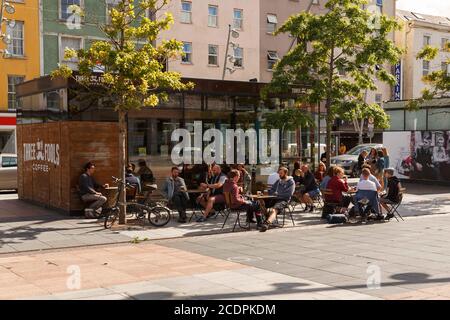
x: 238, y: 201
x: 337, y: 185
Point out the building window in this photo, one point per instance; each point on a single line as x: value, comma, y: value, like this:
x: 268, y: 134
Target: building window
x: 238, y: 18
x: 238, y: 57
x: 315, y: 2
x: 64, y: 8
x: 212, y: 16
x: 110, y: 4
x: 15, y: 31
x: 444, y: 42
x: 378, y: 98
x: 272, y: 58
x: 12, y: 82
x: 445, y: 67
x: 213, y: 55
x: 425, y: 67
x: 187, y: 50
x: 272, y: 22
x: 69, y: 43
x: 186, y: 12
x: 426, y: 40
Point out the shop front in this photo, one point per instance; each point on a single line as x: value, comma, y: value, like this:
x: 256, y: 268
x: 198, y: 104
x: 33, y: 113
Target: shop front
x: 8, y: 132
x: 85, y: 127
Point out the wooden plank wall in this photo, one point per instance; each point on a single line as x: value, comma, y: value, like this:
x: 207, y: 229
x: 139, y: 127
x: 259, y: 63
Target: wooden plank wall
x: 79, y: 142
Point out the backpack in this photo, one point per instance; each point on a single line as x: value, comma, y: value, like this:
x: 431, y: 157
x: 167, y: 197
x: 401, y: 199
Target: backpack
x: 337, y: 218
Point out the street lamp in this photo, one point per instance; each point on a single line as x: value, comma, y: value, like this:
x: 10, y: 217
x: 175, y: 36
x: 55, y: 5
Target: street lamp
x: 235, y: 34
x: 9, y: 8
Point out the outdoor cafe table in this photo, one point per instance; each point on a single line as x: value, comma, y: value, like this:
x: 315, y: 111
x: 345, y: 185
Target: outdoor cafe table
x: 260, y: 198
x: 194, y: 205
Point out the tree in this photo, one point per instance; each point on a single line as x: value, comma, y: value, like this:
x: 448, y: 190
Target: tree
x: 438, y: 81
x: 132, y: 63
x: 347, y: 39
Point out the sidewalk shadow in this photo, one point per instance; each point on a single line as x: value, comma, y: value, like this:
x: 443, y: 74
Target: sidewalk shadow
x: 292, y: 288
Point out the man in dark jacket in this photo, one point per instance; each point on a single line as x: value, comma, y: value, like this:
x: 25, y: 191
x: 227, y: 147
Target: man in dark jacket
x: 311, y: 189
x: 88, y: 192
x: 393, y: 191
x: 174, y: 190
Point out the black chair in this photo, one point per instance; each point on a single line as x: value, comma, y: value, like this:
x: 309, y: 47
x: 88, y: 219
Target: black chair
x: 283, y: 213
x: 333, y: 207
x: 393, y: 207
x: 238, y: 212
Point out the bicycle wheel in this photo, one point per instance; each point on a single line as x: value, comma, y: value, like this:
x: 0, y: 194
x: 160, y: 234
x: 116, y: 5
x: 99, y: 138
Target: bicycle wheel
x: 111, y: 217
x: 159, y: 216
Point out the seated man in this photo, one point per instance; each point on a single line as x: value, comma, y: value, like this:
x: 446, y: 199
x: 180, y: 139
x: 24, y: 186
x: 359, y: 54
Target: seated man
x: 393, y: 190
x: 174, y: 190
x: 367, y: 190
x: 144, y: 173
x: 372, y: 177
x: 131, y: 179
x: 338, y: 184
x: 214, y: 195
x: 238, y: 201
x: 88, y: 192
x: 311, y: 189
x: 283, y: 189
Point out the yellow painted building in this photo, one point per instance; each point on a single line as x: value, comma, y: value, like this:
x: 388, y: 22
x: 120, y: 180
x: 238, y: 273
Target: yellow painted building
x: 20, y: 63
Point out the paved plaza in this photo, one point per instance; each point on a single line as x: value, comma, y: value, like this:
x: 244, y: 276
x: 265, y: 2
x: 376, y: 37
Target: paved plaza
x: 42, y: 251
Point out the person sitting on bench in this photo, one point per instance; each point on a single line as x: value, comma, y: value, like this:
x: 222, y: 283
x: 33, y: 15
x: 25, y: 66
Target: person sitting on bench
x: 88, y: 192
x: 393, y: 190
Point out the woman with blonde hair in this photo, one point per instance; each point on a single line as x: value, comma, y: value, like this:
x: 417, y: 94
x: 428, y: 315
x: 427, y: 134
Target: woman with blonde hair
x: 320, y: 172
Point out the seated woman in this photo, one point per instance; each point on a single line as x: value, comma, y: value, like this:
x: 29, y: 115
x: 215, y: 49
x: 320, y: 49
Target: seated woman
x: 393, y: 191
x: 320, y: 172
x: 367, y: 190
x: 337, y: 185
x: 327, y: 178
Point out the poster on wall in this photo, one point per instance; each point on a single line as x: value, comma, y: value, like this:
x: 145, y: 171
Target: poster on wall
x: 419, y: 155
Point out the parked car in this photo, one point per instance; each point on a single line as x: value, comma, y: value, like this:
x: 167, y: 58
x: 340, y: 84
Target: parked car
x: 349, y: 160
x: 8, y: 171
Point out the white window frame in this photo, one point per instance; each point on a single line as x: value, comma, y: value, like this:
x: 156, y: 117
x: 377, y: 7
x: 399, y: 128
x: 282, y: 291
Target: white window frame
x: 109, y: 4
x: 445, y: 67
x: 62, y: 50
x: 190, y: 60
x: 10, y: 47
x: 238, y: 23
x: 237, y: 57
x: 9, y: 76
x: 60, y: 16
x: 272, y: 22
x: 425, y: 70
x: 444, y: 42
x: 426, y: 36
x: 379, y: 98
x: 213, y: 20
x: 216, y: 55
x: 186, y: 16
x: 272, y: 58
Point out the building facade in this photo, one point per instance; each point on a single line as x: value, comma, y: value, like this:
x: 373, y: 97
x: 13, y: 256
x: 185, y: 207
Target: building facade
x: 19, y: 63
x: 418, y: 31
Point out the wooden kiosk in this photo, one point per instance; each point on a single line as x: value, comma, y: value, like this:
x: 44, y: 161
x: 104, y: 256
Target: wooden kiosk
x: 55, y: 141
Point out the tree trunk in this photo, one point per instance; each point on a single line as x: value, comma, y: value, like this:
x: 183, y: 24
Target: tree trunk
x: 122, y: 163
x: 329, y: 129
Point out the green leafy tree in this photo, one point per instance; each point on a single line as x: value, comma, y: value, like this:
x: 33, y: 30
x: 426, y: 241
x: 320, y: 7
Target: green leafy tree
x: 132, y: 63
x: 347, y: 39
x: 438, y: 81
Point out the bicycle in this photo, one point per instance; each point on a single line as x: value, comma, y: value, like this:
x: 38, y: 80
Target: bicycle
x: 157, y: 215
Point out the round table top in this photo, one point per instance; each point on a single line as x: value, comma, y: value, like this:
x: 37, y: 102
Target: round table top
x: 262, y: 196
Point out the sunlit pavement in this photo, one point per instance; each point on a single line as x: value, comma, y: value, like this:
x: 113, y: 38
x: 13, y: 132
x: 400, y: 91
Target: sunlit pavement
x: 395, y: 260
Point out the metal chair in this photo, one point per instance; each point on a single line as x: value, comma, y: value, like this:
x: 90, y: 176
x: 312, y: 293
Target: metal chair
x: 283, y: 213
x: 229, y: 210
x: 393, y: 208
